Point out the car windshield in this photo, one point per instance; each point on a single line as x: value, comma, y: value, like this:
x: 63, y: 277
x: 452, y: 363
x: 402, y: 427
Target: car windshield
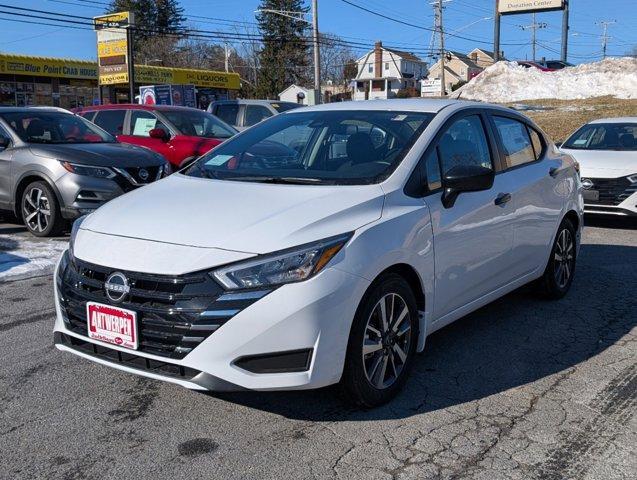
x: 316, y: 147
x: 196, y: 123
x: 39, y: 126
x: 604, y: 136
x: 285, y: 106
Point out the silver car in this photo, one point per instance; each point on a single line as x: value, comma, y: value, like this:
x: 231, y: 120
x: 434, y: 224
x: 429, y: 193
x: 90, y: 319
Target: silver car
x: 56, y: 166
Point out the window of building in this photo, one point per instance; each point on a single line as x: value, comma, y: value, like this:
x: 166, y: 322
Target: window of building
x: 378, y: 85
x: 370, y: 68
x: 386, y: 65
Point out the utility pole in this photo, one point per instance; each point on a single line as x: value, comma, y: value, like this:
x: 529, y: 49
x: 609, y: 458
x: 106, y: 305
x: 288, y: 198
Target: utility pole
x: 565, y: 31
x: 533, y: 27
x: 438, y: 17
x: 496, y: 32
x: 605, y: 37
x: 226, y: 55
x: 317, y: 53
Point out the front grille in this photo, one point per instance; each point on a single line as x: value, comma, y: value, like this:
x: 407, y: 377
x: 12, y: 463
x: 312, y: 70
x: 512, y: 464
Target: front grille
x: 129, y: 178
x: 612, y: 191
x: 174, y: 313
x: 129, y: 360
x: 151, y: 171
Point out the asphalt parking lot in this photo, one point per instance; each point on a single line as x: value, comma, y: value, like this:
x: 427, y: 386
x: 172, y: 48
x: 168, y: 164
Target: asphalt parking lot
x: 521, y: 389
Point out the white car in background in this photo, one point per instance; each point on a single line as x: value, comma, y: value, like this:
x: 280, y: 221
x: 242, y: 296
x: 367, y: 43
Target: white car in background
x: 280, y: 260
x: 606, y: 150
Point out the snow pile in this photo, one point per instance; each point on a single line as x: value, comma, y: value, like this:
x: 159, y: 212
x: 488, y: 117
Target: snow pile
x: 24, y: 258
x: 509, y: 82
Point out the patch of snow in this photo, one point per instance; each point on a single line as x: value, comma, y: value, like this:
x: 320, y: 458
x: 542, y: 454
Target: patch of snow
x: 22, y: 258
x: 510, y: 82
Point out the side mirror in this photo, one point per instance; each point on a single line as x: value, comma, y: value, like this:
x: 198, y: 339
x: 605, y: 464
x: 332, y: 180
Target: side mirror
x: 4, y: 142
x: 158, y: 133
x: 465, y: 178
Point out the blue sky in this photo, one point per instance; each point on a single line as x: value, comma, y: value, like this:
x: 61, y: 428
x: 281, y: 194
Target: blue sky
x: 469, y: 18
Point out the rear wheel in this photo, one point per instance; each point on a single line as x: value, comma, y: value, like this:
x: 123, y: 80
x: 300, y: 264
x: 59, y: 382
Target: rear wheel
x: 382, y: 343
x: 41, y: 211
x: 558, y: 276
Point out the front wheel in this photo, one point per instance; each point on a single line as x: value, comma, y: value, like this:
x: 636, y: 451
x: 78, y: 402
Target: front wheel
x: 558, y: 276
x: 40, y: 210
x: 382, y: 343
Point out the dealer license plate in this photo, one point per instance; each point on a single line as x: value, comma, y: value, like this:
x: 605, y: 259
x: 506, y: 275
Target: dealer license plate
x: 112, y: 325
x: 591, y: 195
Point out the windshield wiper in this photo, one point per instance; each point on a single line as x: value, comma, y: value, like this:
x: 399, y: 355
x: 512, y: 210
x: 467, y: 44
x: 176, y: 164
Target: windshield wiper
x: 282, y: 180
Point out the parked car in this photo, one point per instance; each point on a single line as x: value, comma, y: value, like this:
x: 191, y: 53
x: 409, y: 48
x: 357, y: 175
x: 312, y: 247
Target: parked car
x: 606, y: 150
x: 56, y: 166
x: 180, y: 134
x: 313, y: 267
x: 545, y: 65
x: 242, y: 114
x: 528, y: 64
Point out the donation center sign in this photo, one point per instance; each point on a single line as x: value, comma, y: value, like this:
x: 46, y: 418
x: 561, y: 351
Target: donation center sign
x: 525, y: 6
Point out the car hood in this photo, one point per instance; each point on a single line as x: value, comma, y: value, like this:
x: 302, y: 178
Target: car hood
x: 99, y: 154
x: 239, y: 216
x: 604, y: 163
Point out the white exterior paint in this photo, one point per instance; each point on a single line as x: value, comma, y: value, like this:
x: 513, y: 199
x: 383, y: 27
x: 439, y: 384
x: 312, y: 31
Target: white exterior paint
x: 397, y: 72
x: 482, y: 251
x: 297, y: 94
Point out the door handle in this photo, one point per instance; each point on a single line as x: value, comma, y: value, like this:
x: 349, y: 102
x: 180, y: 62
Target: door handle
x: 502, y: 199
x: 553, y: 171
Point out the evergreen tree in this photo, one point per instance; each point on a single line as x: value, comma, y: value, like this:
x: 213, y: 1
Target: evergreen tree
x: 284, y: 58
x: 151, y: 16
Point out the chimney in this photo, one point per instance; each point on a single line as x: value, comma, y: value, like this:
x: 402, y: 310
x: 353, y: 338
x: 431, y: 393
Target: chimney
x: 378, y: 59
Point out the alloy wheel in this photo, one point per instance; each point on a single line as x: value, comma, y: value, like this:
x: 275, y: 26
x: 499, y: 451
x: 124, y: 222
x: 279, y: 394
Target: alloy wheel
x: 564, y: 258
x: 36, y: 210
x: 387, y: 341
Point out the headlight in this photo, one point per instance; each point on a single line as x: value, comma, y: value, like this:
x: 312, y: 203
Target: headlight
x: 632, y: 178
x: 294, y: 265
x: 89, y: 171
x: 74, y: 229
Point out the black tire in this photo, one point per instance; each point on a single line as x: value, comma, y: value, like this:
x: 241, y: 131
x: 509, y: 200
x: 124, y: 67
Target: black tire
x: 560, y: 270
x: 356, y: 384
x: 41, y: 211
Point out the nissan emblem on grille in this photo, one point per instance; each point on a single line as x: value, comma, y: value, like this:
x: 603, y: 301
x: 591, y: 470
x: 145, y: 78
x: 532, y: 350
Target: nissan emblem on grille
x: 587, y: 183
x: 116, y: 287
x: 143, y: 174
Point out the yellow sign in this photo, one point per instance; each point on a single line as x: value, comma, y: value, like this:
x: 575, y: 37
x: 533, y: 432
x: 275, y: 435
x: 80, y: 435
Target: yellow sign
x: 112, y: 47
x: 113, y: 20
x: 46, y: 67
x: 523, y: 6
x: 150, y: 75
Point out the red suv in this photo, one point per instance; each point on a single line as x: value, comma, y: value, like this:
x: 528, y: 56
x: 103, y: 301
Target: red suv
x: 179, y: 133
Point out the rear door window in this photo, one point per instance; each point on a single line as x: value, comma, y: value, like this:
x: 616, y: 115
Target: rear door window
x: 518, y: 149
x: 111, y: 120
x: 255, y: 114
x: 227, y: 112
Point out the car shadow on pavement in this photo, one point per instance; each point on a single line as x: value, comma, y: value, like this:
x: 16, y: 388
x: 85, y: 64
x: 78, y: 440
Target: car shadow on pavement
x: 517, y: 340
x: 609, y: 221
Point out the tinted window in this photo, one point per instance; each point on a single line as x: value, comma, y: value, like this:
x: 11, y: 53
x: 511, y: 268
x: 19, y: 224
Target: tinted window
x: 254, y: 114
x: 604, y: 136
x: 54, y: 127
x: 142, y: 122
x: 196, y: 123
x: 111, y: 120
x: 515, y: 140
x: 432, y: 170
x: 336, y: 147
x: 285, y: 106
x: 227, y: 112
x: 88, y: 115
x: 538, y: 145
x: 464, y: 143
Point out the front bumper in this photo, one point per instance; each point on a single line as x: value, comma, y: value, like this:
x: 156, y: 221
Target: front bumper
x: 313, y: 315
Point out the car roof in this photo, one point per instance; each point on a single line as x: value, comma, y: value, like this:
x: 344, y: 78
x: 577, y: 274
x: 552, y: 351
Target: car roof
x: 406, y: 104
x: 616, y: 120
x: 253, y: 102
x: 34, y: 108
x: 132, y: 106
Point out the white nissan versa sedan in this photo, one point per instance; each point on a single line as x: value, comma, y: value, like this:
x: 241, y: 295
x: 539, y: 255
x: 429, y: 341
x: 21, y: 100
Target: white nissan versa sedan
x: 321, y: 246
x: 606, y: 150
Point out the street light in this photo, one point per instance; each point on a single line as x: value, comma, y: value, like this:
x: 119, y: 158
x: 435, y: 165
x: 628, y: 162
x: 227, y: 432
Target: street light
x: 300, y: 16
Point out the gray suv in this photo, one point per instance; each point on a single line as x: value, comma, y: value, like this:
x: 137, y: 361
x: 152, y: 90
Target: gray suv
x: 242, y: 114
x: 56, y: 166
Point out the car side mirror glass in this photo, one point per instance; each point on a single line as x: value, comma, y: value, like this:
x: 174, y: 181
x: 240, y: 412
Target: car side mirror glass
x: 465, y: 178
x: 158, y: 133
